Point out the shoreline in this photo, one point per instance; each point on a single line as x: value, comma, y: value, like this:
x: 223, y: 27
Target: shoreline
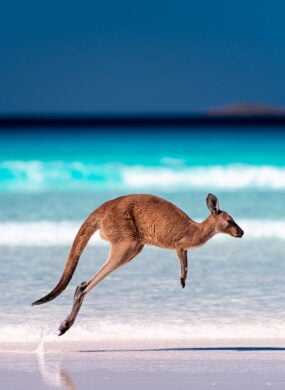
x: 60, y: 344
x: 167, y: 364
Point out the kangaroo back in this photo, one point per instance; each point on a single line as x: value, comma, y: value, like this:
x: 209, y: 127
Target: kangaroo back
x: 89, y: 226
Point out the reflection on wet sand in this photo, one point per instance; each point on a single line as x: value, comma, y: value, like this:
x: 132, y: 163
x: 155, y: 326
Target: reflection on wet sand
x: 53, y: 374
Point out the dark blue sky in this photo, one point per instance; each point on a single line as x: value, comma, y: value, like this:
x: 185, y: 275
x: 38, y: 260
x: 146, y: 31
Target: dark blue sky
x: 121, y: 56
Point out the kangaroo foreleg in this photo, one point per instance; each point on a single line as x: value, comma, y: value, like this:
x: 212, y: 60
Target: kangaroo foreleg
x: 182, y: 256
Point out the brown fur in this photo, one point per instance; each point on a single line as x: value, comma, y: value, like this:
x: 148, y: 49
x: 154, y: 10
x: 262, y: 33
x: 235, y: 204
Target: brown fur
x: 130, y: 222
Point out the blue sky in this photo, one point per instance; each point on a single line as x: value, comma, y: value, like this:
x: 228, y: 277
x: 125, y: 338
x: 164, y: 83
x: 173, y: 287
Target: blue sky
x: 129, y: 56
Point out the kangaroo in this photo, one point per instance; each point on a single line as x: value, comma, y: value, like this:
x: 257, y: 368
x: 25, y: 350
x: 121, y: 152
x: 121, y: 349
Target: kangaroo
x: 130, y: 222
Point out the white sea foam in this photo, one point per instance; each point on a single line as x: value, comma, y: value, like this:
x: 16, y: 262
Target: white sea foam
x: 263, y: 228
x: 63, y: 175
x: 62, y: 233
x: 229, y: 177
x: 136, y: 330
x: 42, y: 233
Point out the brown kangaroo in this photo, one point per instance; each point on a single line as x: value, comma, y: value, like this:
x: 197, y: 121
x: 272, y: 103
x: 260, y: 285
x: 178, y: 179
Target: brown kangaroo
x: 130, y: 222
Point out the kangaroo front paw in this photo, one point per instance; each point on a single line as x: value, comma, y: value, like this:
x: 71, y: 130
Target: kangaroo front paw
x: 182, y: 281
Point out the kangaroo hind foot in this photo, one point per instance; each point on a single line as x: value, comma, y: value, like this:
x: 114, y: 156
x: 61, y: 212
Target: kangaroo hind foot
x: 77, y: 302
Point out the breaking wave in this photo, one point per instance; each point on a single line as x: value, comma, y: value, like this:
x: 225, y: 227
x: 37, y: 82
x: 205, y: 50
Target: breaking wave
x: 146, y: 330
x: 229, y: 177
x: 37, y: 176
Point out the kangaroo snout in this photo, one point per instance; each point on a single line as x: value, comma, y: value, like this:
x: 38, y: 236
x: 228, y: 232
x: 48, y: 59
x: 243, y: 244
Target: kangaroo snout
x: 234, y: 230
x: 240, y: 232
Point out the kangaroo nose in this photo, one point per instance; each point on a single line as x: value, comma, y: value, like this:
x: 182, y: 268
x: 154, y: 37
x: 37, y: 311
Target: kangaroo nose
x: 241, y: 232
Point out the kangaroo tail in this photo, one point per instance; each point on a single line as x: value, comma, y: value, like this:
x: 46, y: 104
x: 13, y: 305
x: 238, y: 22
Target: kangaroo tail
x: 89, y: 226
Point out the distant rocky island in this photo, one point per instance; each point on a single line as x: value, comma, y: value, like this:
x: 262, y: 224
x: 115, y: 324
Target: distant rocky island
x: 247, y: 109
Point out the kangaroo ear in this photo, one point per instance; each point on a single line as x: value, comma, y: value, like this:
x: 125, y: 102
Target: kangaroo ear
x: 213, y: 204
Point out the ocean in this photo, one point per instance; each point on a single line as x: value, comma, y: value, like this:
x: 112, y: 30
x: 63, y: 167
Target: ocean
x: 50, y: 180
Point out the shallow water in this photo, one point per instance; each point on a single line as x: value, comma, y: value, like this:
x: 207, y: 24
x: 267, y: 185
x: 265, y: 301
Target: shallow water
x: 50, y: 182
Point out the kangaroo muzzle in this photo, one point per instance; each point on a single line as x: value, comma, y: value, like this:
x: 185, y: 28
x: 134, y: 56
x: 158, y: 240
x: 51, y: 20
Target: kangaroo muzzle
x: 240, y: 232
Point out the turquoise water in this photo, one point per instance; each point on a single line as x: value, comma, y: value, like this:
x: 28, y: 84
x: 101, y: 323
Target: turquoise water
x: 51, y: 180
x: 167, y: 160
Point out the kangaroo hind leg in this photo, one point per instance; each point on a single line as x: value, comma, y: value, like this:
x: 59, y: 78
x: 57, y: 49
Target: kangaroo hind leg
x: 120, y: 254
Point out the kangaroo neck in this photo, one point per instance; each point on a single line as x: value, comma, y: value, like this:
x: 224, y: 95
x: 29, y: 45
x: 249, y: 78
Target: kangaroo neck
x: 204, y: 231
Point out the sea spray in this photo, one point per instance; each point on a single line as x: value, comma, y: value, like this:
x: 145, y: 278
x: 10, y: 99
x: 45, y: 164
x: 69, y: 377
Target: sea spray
x: 46, y: 333
x: 40, y: 346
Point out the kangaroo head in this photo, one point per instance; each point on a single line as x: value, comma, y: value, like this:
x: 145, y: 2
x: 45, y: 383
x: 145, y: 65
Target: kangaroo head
x: 224, y: 223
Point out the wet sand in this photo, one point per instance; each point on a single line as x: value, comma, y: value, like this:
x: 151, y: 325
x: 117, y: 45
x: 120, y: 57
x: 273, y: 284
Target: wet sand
x: 166, y: 364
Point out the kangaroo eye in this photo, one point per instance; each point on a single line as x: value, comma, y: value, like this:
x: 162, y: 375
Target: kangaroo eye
x: 230, y: 222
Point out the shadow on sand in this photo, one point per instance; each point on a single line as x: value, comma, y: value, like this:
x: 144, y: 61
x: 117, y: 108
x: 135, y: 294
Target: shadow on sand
x: 185, y: 349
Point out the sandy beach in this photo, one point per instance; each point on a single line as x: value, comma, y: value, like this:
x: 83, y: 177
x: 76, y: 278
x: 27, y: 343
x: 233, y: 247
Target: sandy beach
x: 168, y: 364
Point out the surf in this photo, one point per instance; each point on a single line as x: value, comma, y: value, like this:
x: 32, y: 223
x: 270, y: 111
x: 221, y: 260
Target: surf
x: 44, y: 176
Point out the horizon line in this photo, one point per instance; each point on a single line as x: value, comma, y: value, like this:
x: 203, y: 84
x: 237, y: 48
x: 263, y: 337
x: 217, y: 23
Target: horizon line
x: 141, y: 120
